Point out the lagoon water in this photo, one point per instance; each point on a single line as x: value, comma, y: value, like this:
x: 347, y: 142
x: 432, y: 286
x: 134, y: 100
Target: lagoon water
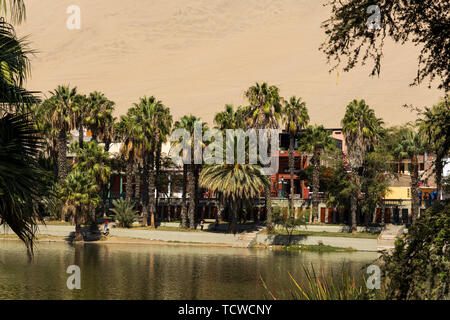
x: 115, y: 271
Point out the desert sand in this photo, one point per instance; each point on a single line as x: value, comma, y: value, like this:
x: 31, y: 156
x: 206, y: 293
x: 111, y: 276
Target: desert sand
x: 198, y: 55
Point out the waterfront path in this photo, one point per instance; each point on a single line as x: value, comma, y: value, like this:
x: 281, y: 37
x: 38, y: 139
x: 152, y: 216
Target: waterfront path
x: 242, y: 240
x: 386, y: 239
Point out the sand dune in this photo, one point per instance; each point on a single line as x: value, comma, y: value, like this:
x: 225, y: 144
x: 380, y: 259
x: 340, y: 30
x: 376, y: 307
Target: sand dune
x: 198, y: 55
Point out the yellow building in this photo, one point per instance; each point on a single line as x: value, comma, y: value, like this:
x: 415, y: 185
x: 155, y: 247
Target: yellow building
x: 403, y: 193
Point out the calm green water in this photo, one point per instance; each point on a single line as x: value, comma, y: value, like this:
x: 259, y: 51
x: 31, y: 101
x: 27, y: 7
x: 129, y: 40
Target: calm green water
x: 159, y: 272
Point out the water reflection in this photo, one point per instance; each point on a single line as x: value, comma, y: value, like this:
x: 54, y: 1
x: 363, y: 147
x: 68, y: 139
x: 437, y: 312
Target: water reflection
x: 159, y: 272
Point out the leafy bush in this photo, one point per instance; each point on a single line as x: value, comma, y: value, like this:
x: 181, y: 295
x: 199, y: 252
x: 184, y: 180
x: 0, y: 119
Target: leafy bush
x: 287, y: 218
x: 124, y: 210
x: 419, y: 266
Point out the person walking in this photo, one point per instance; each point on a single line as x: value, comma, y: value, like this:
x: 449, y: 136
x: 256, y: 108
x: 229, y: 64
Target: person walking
x: 202, y: 223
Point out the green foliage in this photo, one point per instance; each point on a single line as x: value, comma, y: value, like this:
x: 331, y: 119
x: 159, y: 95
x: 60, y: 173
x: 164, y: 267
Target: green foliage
x: 92, y: 159
x: 422, y: 22
x: 230, y: 119
x: 287, y: 218
x: 419, y: 266
x: 124, y: 210
x: 265, y: 107
x: 79, y: 194
x: 295, y: 115
x: 362, y: 130
x: 319, y: 286
x: 22, y: 180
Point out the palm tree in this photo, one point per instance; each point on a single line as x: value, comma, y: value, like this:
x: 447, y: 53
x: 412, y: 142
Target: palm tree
x: 295, y: 118
x: 230, y: 119
x: 361, y: 129
x: 236, y: 182
x: 410, y: 145
x: 316, y: 140
x: 156, y: 122
x: 95, y: 161
x: 130, y: 132
x: 15, y: 65
x: 59, y: 112
x: 435, y: 125
x: 80, y: 112
x: 187, y: 123
x: 79, y: 194
x: 100, y: 120
x: 264, y: 112
x: 22, y: 182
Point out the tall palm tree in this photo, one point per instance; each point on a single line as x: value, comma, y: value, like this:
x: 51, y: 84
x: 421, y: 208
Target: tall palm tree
x: 229, y: 119
x: 316, y: 140
x: 156, y: 122
x: 187, y: 123
x: 295, y: 118
x: 361, y: 129
x: 435, y: 126
x: 264, y: 112
x: 59, y: 111
x: 410, y: 145
x: 130, y: 133
x: 99, y: 119
x: 236, y: 182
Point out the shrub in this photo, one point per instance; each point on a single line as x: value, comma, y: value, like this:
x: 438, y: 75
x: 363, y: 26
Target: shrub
x: 419, y: 266
x: 124, y: 210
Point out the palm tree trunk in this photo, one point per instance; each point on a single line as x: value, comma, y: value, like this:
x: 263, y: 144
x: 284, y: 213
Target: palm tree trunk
x: 145, y: 192
x: 439, y: 168
x: 268, y: 205
x: 80, y: 136
x: 191, y: 191
x: 184, y: 203
x: 78, y: 233
x: 354, y: 203
x: 137, y: 189
x: 316, y: 183
x: 62, y: 160
x: 291, y: 169
x: 62, y: 155
x: 234, y: 210
x: 129, y: 190
x: 414, y: 188
x: 151, y: 190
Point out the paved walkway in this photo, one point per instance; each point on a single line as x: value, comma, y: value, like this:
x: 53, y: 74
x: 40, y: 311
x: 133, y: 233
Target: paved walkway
x: 242, y: 240
x: 386, y: 240
x: 174, y: 236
